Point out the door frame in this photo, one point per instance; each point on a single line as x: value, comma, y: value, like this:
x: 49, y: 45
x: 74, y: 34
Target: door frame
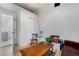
x: 14, y: 14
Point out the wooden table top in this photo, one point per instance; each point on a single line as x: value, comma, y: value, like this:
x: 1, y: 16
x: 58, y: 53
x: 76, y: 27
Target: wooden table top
x: 36, y: 50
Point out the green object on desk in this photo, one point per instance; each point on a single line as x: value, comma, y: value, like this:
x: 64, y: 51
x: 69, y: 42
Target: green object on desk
x: 48, y: 40
x: 61, y: 43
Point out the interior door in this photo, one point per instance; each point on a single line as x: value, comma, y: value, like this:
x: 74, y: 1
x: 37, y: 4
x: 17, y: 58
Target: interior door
x: 6, y: 34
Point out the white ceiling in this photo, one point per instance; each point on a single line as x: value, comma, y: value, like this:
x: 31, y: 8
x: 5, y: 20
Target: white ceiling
x: 34, y: 6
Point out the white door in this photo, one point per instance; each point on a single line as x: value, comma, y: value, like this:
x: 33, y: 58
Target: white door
x: 6, y: 34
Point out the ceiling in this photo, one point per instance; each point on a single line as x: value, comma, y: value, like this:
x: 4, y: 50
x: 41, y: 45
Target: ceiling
x: 33, y: 7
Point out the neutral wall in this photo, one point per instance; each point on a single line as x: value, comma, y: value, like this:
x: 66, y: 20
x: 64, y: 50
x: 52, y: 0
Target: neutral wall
x: 23, y: 22
x: 62, y: 20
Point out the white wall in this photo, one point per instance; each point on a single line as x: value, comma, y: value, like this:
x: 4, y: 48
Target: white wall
x: 24, y: 22
x: 63, y: 21
x: 9, y: 6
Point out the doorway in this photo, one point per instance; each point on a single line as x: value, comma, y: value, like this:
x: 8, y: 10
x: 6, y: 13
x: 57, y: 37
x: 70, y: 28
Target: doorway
x: 7, y: 32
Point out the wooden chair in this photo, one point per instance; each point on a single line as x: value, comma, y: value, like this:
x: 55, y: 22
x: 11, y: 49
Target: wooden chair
x: 33, y: 41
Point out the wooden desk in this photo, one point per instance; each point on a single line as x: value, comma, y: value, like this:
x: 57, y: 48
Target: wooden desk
x: 37, y: 50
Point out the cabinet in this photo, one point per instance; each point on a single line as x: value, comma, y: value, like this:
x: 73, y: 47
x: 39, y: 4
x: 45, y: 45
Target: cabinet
x: 28, y: 24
